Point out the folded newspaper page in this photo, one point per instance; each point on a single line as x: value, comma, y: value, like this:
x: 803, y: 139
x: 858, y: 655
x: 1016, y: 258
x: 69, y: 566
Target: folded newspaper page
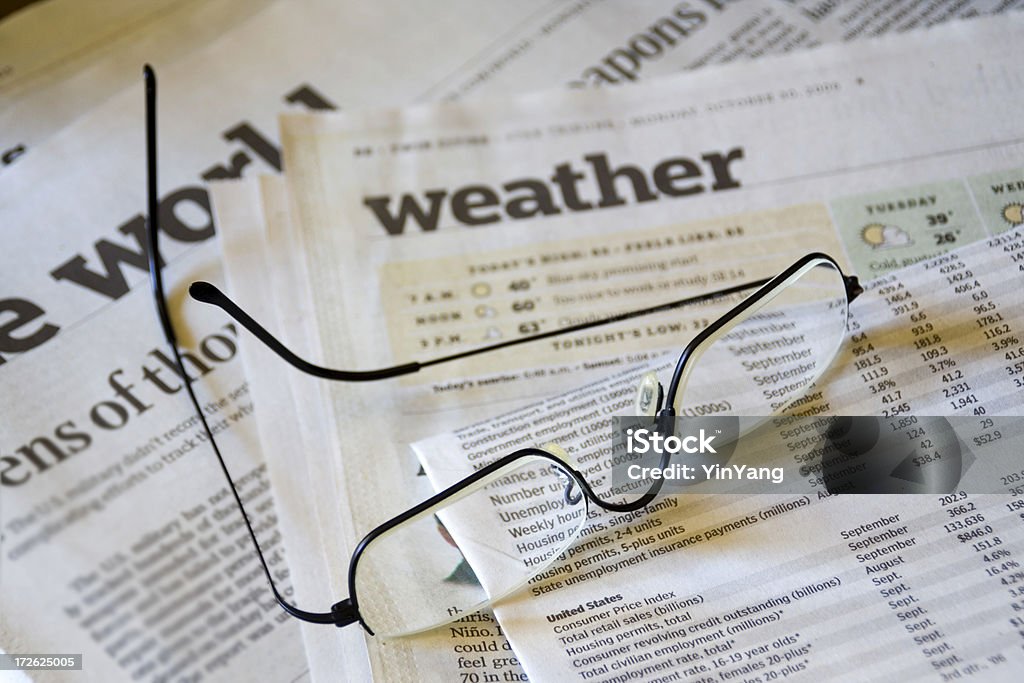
x: 768, y: 586
x: 293, y: 428
x: 492, y: 211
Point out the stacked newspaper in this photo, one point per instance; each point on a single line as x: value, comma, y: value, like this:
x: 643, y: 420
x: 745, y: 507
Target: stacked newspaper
x: 401, y: 233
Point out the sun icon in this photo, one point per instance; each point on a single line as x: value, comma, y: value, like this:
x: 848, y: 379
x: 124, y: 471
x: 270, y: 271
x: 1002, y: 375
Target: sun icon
x: 879, y: 236
x: 872, y: 234
x: 1014, y: 213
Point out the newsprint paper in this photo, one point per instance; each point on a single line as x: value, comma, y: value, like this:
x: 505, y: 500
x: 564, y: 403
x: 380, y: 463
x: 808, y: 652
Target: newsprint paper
x: 129, y: 550
x: 117, y: 543
x: 481, y: 221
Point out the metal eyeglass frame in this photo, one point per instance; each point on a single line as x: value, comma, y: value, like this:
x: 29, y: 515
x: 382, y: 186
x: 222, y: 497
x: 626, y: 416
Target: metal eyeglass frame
x: 346, y: 612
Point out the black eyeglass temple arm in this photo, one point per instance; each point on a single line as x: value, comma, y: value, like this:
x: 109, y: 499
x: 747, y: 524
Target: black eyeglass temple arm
x: 210, y: 294
x: 342, y: 613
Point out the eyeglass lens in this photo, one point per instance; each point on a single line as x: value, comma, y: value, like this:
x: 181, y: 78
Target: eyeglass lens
x: 469, y: 550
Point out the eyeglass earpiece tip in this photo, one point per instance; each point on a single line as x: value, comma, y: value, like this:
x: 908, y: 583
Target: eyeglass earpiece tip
x: 203, y: 291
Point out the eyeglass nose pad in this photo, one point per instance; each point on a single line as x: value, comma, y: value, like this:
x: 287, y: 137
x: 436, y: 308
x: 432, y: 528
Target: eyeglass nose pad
x: 649, y: 396
x: 570, y: 484
x: 559, y: 452
x: 567, y: 496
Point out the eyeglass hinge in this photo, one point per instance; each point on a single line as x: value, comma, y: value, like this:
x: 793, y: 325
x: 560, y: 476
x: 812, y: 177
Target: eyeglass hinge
x: 853, y: 287
x: 344, y: 612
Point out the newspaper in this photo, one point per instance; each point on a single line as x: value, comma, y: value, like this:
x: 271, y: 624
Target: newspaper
x: 88, y: 281
x: 773, y: 585
x: 348, y: 174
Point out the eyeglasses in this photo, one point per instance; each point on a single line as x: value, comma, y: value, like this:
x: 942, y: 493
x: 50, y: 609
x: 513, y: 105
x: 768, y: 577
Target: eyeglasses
x: 489, y: 534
